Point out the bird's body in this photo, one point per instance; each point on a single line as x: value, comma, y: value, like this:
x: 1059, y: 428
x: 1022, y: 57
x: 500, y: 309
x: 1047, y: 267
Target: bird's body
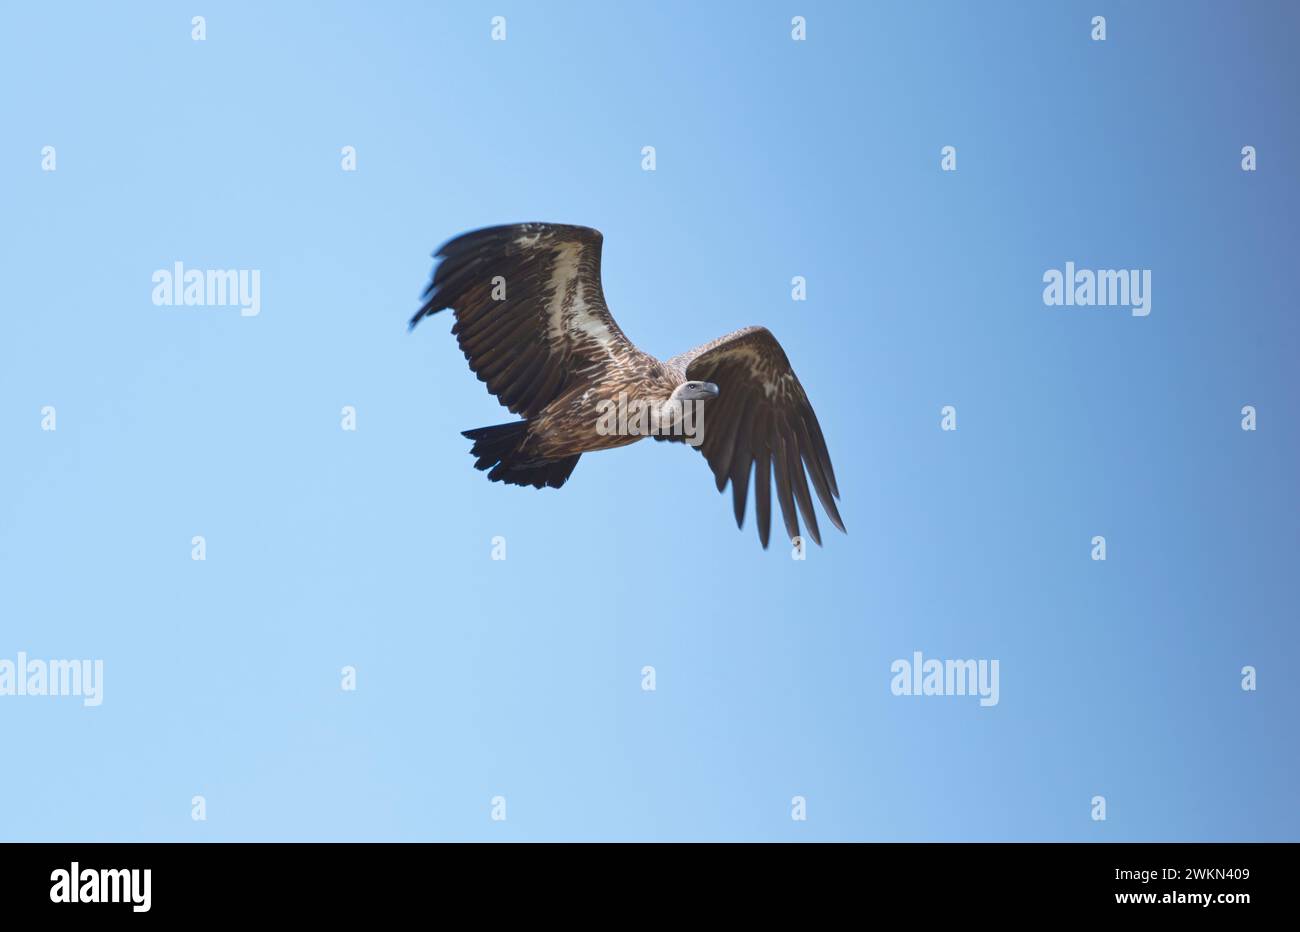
x: 568, y: 425
x: 531, y: 320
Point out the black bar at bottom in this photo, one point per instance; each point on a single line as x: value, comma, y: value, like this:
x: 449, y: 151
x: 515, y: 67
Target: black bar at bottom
x: 373, y: 880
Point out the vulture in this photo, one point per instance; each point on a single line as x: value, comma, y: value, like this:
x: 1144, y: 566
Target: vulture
x: 531, y: 319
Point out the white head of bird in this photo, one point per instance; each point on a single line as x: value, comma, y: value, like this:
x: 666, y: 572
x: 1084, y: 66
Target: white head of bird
x: 694, y: 391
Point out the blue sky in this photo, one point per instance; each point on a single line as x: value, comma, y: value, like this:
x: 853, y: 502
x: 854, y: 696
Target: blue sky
x: 522, y: 678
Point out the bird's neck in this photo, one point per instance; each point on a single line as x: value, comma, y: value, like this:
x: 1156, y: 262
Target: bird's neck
x: 670, y: 410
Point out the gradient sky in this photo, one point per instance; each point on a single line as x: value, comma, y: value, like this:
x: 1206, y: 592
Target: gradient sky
x: 522, y: 678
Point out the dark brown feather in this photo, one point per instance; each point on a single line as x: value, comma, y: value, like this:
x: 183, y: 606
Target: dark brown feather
x: 762, y: 412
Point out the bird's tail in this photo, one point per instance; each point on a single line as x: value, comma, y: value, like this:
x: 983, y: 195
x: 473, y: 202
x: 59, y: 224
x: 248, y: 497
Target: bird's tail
x: 499, y: 448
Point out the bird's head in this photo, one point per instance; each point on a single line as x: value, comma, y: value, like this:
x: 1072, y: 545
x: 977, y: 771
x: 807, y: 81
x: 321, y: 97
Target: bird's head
x: 694, y: 391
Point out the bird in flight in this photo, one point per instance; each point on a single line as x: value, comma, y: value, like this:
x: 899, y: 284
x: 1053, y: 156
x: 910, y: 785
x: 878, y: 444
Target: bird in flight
x: 531, y: 320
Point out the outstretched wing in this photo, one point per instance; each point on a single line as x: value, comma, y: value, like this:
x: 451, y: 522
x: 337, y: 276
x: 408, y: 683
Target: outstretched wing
x: 761, y: 420
x: 530, y: 313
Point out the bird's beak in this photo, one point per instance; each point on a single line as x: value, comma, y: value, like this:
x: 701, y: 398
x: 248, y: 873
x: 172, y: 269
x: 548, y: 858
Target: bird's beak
x: 710, y: 389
